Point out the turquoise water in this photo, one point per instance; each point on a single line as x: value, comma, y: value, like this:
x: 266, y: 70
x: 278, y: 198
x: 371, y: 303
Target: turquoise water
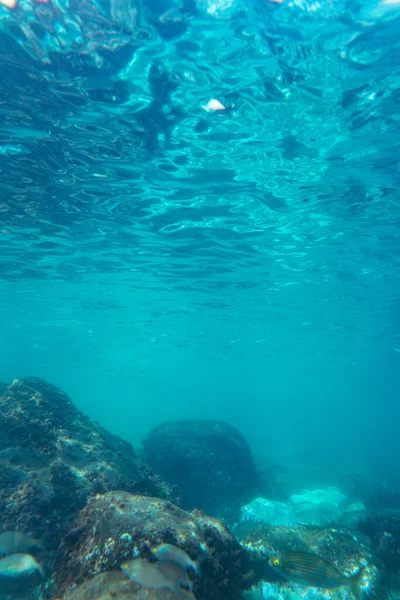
x: 162, y: 261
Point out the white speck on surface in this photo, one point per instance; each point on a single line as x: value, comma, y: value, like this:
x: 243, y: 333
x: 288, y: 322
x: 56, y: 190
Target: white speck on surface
x: 213, y: 105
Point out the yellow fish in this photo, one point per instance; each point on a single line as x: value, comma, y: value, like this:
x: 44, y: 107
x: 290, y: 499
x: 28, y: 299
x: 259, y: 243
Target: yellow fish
x: 313, y: 571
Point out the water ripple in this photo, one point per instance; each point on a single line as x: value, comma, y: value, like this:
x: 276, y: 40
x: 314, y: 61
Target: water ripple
x: 110, y: 163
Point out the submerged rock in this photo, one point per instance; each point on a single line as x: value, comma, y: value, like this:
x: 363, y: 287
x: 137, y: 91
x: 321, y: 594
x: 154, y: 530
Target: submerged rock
x: 316, y: 508
x: 53, y: 458
x: 268, y: 512
x: 331, y: 543
x: 354, y: 515
x: 331, y: 495
x: 114, y: 584
x: 118, y: 527
x: 276, y: 591
x: 209, y: 460
x: 347, y: 550
x: 383, y: 528
x: 319, y: 507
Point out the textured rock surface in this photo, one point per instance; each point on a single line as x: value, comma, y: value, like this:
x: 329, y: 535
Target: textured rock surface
x: 114, y: 584
x: 268, y: 512
x: 347, y: 550
x: 317, y: 508
x: 53, y: 458
x: 118, y: 526
x: 384, y: 531
x: 209, y: 460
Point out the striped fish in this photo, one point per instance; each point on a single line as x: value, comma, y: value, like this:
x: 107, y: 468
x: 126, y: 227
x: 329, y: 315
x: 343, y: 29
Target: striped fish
x: 313, y: 571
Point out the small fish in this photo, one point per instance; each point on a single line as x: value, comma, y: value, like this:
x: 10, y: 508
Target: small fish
x: 17, y: 541
x: 163, y: 574
x: 177, y: 555
x: 175, y: 573
x: 313, y: 571
x: 146, y: 574
x: 16, y: 565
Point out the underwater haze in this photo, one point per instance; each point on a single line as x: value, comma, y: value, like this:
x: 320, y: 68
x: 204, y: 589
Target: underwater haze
x: 199, y: 218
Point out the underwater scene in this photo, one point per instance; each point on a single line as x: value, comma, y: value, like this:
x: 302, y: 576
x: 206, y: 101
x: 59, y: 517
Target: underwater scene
x: 200, y: 299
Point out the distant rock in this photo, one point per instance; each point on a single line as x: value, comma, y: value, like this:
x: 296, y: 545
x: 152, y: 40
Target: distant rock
x: 268, y: 512
x: 356, y: 507
x: 209, y: 460
x: 354, y: 515
x: 119, y: 526
x: 331, y: 495
x: 319, y: 507
x: 375, y: 494
x: 53, y: 458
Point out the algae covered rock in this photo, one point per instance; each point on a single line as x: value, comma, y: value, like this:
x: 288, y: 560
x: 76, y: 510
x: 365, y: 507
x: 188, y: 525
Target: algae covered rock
x: 118, y: 526
x: 114, y: 584
x: 383, y: 528
x: 209, y: 460
x: 53, y: 458
x: 334, y: 544
x: 347, y: 550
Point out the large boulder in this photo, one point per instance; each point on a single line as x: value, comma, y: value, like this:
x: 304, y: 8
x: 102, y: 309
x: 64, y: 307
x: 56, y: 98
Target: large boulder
x: 53, y: 458
x: 119, y: 526
x: 209, y: 460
